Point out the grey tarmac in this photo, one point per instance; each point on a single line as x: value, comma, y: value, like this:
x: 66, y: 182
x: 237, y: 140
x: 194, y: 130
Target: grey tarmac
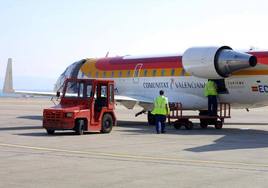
x: 132, y: 155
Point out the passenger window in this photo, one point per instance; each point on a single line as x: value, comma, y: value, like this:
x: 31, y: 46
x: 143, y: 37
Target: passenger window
x: 163, y: 72
x: 89, y: 74
x: 104, y: 74
x: 97, y: 74
x: 136, y: 74
x: 172, y: 72
x: 145, y: 73
x: 154, y: 72
x: 120, y: 74
x: 128, y: 73
x: 112, y: 74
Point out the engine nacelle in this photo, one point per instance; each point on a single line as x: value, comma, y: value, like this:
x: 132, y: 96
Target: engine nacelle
x: 215, y: 62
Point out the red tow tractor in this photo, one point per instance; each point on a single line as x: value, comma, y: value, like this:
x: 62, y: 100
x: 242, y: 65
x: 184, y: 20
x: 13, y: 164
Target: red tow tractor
x: 85, y: 105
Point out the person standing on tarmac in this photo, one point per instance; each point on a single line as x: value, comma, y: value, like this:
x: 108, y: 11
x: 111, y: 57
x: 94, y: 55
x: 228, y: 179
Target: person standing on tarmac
x: 160, y: 111
x: 211, y: 93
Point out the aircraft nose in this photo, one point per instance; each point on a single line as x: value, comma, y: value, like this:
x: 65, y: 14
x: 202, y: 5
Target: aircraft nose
x: 70, y: 72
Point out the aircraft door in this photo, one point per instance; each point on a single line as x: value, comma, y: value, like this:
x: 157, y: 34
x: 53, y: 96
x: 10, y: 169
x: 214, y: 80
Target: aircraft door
x: 136, y: 73
x: 221, y: 86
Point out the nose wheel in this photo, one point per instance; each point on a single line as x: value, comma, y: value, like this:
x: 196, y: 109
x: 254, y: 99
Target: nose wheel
x: 183, y: 123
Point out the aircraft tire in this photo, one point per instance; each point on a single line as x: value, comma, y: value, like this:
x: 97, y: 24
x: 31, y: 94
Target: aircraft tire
x: 177, y: 124
x: 203, y: 123
x: 106, y: 123
x: 189, y: 125
x: 50, y: 131
x: 150, y: 118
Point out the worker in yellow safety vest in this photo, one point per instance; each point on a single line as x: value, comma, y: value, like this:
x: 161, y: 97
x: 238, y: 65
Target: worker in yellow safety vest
x: 160, y: 111
x: 211, y: 93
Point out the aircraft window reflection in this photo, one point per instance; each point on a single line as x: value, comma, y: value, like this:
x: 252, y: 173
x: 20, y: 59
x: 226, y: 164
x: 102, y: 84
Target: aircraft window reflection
x: 145, y: 73
x: 154, y: 72
x: 163, y: 72
x: 128, y: 73
x: 172, y: 72
x: 136, y: 73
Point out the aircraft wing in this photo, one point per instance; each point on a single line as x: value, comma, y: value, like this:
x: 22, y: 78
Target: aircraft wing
x: 131, y: 100
x: 8, y: 84
x: 36, y: 93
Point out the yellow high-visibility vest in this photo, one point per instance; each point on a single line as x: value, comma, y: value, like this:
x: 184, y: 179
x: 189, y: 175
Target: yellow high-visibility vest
x: 210, y: 89
x: 160, y: 106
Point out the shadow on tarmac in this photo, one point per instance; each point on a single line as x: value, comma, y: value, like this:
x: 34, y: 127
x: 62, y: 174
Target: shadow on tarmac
x: 31, y: 117
x: 232, y: 138
x: 19, y: 128
x: 56, y: 134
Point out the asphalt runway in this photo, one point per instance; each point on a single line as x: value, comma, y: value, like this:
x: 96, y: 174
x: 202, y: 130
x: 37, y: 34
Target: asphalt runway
x: 132, y: 155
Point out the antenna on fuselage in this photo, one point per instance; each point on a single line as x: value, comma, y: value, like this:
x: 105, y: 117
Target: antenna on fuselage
x: 107, y: 54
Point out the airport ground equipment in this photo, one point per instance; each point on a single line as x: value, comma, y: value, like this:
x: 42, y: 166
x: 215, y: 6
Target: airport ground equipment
x: 85, y: 105
x: 176, y: 112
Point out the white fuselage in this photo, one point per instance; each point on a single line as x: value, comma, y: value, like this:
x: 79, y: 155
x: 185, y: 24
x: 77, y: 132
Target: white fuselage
x: 189, y: 90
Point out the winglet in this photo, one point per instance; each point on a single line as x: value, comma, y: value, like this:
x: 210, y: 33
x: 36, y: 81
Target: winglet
x: 8, y: 85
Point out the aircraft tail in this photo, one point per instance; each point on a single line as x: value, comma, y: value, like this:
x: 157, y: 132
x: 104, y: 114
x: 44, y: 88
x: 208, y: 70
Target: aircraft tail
x: 8, y: 84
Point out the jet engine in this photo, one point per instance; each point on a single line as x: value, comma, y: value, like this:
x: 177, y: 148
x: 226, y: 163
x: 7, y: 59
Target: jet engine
x: 215, y: 62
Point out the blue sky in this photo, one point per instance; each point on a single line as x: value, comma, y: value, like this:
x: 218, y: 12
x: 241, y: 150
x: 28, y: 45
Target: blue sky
x: 44, y: 37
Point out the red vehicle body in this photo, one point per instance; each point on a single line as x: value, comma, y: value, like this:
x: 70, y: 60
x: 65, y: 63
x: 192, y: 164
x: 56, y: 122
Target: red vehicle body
x: 85, y: 105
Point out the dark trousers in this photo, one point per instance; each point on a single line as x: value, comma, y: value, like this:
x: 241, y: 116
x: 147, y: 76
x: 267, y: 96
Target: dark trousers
x: 160, y: 123
x: 212, y: 105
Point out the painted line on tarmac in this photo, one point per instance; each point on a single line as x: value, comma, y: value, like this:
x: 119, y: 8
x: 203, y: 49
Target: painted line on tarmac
x: 136, y: 157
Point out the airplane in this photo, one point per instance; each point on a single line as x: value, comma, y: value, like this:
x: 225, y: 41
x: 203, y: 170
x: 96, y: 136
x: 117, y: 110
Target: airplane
x: 241, y: 77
